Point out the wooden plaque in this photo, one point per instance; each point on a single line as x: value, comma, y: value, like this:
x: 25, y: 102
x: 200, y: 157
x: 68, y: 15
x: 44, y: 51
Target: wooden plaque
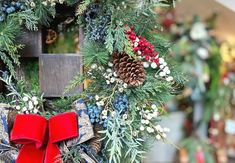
x: 32, y: 41
x: 56, y: 71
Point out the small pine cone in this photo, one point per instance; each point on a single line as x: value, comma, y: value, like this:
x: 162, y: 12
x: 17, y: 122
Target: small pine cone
x: 131, y: 71
x: 95, y: 142
x: 51, y: 36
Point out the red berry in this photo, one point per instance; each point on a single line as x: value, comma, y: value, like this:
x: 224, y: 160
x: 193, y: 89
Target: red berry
x: 147, y: 58
x: 151, y: 54
x: 156, y: 61
x: 135, y: 49
x: 146, y: 50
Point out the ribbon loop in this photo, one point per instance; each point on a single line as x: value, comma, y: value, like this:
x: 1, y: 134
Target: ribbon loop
x: 29, y: 129
x: 31, y: 132
x: 62, y: 127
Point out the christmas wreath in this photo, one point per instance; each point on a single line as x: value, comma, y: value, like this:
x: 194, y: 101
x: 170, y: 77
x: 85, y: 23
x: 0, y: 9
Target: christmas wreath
x: 117, y: 116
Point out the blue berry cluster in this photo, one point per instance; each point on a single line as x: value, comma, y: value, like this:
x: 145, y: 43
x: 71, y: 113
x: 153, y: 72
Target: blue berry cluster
x: 94, y: 113
x: 97, y: 22
x: 121, y: 103
x: 9, y: 7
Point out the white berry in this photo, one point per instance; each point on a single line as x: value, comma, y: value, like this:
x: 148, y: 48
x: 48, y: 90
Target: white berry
x: 35, y: 111
x: 139, y: 52
x: 136, y: 44
x: 34, y: 98
x: 162, y: 74
x: 168, y: 72
x: 153, y: 106
x: 137, y: 39
x: 166, y: 69
x: 30, y: 105
x: 17, y: 107
x: 104, y: 112
x: 153, y: 65
x: 101, y: 103
x: 164, y: 63
x: 94, y: 66
x: 115, y: 74
x: 97, y: 97
x: 24, y: 109
x: 25, y: 98
x: 112, y: 80
x: 158, y: 127
x: 141, y: 128
x: 149, y: 129
x: 161, y: 60
x: 164, y: 135
x: 120, y: 90
x: 35, y: 102
x: 170, y: 78
x: 125, y: 85
x: 158, y: 137
x: 109, y: 70
x: 146, y: 64
x: 161, y: 66
x: 110, y: 64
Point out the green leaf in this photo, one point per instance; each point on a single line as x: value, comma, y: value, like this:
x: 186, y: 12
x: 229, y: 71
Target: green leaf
x: 109, y: 40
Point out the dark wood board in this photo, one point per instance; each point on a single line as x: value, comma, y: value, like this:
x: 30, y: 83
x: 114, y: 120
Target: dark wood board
x: 32, y: 41
x: 56, y: 71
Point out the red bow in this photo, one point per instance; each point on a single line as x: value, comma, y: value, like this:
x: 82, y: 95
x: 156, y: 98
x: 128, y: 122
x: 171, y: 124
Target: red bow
x: 39, y: 136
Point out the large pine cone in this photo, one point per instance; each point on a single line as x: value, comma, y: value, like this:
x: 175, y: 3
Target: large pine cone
x: 131, y: 71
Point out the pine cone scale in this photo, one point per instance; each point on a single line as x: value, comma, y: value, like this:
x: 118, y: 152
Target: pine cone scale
x: 129, y: 70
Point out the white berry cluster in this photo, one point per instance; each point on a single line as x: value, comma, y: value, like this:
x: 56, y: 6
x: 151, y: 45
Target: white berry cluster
x: 94, y: 69
x: 123, y: 5
x: 164, y: 70
x: 99, y: 102
x: 104, y: 114
x: 147, y: 115
x: 161, y: 132
x: 111, y: 77
x: 28, y: 105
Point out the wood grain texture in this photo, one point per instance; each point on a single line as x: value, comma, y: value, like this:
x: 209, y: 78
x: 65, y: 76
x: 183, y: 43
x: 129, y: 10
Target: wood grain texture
x: 32, y: 41
x: 56, y: 71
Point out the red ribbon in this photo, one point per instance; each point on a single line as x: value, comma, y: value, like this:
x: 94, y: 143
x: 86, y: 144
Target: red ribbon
x: 39, y: 136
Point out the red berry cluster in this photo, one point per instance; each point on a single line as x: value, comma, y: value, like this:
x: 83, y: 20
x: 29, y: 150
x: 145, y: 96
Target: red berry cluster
x: 142, y: 47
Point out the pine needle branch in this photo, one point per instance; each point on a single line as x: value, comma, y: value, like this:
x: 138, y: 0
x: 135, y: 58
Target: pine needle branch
x: 81, y: 8
x: 95, y: 53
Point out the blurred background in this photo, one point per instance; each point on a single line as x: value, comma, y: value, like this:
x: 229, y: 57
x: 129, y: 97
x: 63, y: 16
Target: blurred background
x: 201, y: 118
